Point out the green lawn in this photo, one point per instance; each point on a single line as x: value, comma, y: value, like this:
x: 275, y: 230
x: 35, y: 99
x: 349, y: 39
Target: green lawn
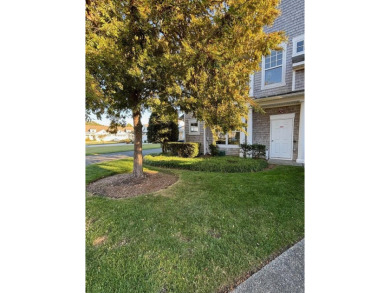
x: 200, y: 235
x: 120, y: 148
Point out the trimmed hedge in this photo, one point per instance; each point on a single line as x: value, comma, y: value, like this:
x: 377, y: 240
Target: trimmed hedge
x: 256, y: 150
x: 228, y: 164
x: 183, y: 149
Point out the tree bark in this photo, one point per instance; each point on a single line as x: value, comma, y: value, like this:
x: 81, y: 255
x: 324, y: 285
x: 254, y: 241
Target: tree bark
x: 138, y: 160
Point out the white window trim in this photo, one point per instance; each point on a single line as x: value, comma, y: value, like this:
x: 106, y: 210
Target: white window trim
x: 295, y: 41
x: 228, y: 146
x: 189, y: 127
x: 274, y: 85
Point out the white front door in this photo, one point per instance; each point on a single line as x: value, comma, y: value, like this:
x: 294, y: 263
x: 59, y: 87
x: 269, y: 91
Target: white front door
x: 281, y: 137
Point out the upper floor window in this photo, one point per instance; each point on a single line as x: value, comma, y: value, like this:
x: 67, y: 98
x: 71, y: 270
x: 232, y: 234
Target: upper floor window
x: 298, y: 45
x: 274, y: 69
x: 194, y: 127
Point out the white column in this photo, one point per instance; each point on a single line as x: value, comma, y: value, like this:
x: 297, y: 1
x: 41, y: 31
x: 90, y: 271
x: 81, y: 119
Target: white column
x: 301, y: 141
x: 184, y: 127
x: 250, y: 125
x: 293, y: 81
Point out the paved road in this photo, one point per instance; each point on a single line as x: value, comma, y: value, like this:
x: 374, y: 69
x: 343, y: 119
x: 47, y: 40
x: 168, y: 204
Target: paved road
x: 285, y: 274
x: 116, y: 156
x: 105, y: 144
x: 111, y: 144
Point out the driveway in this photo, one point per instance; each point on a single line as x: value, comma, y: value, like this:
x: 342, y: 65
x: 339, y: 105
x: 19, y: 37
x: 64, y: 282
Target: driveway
x: 116, y: 156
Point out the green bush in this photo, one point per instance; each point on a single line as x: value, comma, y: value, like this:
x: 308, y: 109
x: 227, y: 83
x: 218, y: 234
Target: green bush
x: 213, y: 150
x: 256, y: 150
x: 246, y: 149
x: 227, y: 164
x: 183, y: 149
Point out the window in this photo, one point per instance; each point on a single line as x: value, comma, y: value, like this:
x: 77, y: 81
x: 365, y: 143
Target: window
x: 232, y: 138
x: 274, y: 69
x: 298, y: 45
x: 194, y: 127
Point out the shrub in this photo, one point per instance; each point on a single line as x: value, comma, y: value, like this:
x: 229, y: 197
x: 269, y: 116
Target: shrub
x: 213, y: 150
x: 246, y: 149
x: 256, y: 150
x: 226, y: 164
x: 183, y: 149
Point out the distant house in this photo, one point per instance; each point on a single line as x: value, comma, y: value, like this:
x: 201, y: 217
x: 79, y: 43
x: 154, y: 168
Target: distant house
x: 279, y: 88
x: 101, y: 133
x: 145, y: 132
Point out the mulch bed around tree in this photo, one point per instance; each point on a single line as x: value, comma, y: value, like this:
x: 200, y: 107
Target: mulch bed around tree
x: 124, y: 185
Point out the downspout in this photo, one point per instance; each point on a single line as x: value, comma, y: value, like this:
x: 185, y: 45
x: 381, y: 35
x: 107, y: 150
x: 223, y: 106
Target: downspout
x: 204, y: 138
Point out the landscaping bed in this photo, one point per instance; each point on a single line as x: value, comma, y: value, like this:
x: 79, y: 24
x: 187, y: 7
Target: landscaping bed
x: 206, y: 233
x: 124, y: 185
x: 226, y: 164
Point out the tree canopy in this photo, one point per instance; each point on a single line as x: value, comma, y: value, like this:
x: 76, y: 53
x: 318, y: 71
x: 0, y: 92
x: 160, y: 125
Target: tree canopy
x: 163, y: 126
x: 196, y: 55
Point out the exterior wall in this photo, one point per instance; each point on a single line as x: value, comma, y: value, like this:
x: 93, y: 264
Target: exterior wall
x: 262, y: 125
x: 292, y: 21
x: 300, y: 79
x: 192, y: 138
x: 197, y: 138
x: 200, y: 138
x: 230, y: 151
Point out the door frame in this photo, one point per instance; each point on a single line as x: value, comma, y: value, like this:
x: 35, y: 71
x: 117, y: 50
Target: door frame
x: 282, y: 117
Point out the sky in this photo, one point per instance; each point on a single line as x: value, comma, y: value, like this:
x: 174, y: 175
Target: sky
x: 105, y: 121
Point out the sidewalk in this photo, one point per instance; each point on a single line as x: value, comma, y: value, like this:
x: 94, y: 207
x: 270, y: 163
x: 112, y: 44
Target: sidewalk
x: 285, y: 274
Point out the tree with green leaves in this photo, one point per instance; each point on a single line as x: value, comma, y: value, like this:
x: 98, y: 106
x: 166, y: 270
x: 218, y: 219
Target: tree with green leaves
x: 163, y: 127
x: 196, y: 55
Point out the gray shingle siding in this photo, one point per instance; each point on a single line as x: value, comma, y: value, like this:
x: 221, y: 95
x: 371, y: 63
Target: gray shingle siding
x: 197, y: 138
x: 300, y: 79
x: 292, y: 22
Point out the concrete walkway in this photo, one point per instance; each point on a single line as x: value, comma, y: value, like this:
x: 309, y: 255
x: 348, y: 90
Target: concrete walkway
x: 116, y: 156
x: 285, y: 274
x: 284, y: 162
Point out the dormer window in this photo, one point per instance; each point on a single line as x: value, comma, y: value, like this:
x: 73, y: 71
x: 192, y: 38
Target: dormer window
x: 274, y: 69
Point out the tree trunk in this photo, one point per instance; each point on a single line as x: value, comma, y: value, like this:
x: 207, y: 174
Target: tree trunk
x: 137, y: 168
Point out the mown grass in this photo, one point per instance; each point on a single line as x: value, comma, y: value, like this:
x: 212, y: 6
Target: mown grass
x: 226, y: 164
x: 119, y: 148
x: 200, y: 235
